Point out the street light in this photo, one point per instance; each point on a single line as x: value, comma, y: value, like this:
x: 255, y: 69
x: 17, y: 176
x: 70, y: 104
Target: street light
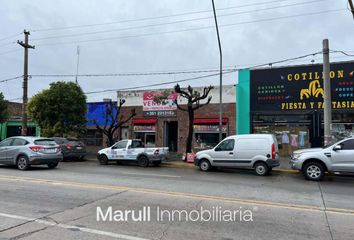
x: 220, y: 92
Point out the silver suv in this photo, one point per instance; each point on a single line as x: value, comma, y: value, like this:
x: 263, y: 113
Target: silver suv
x: 314, y: 162
x: 26, y: 151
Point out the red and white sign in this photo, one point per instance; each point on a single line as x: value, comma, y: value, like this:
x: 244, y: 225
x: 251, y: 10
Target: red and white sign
x: 165, y: 108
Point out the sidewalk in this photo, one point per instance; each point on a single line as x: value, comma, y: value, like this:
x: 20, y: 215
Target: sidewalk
x: 178, y: 162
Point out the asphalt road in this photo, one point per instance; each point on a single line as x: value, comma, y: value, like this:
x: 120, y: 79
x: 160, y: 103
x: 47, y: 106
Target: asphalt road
x: 63, y: 204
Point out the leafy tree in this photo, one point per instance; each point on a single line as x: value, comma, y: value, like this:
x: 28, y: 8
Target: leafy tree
x: 193, y: 103
x: 113, y: 120
x: 4, y: 112
x: 59, y: 110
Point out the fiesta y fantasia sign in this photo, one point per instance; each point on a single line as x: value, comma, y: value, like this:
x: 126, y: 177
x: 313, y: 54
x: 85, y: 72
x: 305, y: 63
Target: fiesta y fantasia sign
x: 301, y: 88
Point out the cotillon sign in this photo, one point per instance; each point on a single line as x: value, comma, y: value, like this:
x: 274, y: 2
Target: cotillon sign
x: 301, y: 88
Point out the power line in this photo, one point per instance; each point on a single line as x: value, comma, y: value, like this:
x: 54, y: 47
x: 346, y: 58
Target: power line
x: 11, y: 36
x: 158, y: 17
x: 342, y: 52
x: 201, y: 77
x: 10, y: 79
x: 174, y: 22
x: 7, y: 44
x: 157, y: 84
x: 194, y: 29
x: 205, y: 76
x: 14, y: 99
x: 11, y: 51
x: 227, y: 71
x: 128, y: 74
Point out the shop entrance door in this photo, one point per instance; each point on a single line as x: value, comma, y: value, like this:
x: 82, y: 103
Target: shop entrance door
x: 171, y: 135
x: 316, y: 130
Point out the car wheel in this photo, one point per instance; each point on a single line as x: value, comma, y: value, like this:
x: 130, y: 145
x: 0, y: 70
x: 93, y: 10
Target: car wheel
x: 204, y: 165
x: 23, y: 163
x: 261, y: 168
x: 52, y: 165
x: 103, y: 160
x: 156, y: 163
x: 314, y: 171
x: 143, y: 161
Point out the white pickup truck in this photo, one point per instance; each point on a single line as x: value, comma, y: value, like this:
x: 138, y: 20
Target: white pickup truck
x: 132, y: 150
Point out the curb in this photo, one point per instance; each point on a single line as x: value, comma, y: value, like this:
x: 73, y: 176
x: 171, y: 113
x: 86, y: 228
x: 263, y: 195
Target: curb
x: 191, y: 165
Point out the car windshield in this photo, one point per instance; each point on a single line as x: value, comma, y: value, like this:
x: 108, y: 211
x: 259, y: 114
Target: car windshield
x: 45, y: 142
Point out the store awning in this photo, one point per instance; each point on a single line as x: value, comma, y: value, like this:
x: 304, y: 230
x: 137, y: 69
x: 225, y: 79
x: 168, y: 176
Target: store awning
x: 144, y: 120
x: 209, y: 120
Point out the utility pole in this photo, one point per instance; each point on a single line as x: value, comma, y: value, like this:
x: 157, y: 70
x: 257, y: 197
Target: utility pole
x: 77, y: 64
x: 327, y: 94
x: 26, y: 46
x: 220, y: 92
x: 351, y: 6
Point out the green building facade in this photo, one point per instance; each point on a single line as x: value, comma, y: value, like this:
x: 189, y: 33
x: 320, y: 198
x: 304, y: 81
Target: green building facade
x: 13, y: 128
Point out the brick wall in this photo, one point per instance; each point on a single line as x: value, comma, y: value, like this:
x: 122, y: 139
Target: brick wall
x: 208, y: 111
x: 15, y: 110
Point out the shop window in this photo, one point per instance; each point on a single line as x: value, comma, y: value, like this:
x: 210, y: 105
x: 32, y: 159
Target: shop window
x: 342, y: 130
x: 149, y: 139
x: 207, y: 140
x: 290, y: 136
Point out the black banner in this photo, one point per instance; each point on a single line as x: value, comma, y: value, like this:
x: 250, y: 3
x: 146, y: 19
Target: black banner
x: 301, y: 88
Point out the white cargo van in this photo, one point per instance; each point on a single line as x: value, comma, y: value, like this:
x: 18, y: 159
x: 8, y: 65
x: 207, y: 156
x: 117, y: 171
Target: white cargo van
x: 257, y: 151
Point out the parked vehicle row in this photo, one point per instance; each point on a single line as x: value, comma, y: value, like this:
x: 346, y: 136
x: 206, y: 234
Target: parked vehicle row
x: 251, y: 151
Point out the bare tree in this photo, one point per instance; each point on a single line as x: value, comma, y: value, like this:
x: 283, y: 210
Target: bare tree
x: 113, y: 120
x: 193, y: 103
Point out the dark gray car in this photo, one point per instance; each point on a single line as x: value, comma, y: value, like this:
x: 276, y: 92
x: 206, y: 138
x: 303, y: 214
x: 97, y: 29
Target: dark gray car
x: 26, y: 151
x: 71, y: 148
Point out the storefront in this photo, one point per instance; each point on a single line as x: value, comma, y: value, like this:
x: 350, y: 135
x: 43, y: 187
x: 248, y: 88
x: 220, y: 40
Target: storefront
x: 145, y: 129
x: 206, y: 132
x: 162, y: 124
x: 12, y: 128
x: 288, y: 102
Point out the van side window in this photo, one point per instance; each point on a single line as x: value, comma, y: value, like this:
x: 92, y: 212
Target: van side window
x: 227, y: 145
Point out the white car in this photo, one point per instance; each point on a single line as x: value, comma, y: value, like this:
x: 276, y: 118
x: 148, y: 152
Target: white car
x: 132, y: 150
x: 314, y: 162
x: 257, y: 151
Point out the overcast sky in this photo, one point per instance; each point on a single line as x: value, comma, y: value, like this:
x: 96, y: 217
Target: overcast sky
x: 144, y: 46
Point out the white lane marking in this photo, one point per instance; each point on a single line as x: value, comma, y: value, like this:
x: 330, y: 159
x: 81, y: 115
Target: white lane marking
x: 72, y: 227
